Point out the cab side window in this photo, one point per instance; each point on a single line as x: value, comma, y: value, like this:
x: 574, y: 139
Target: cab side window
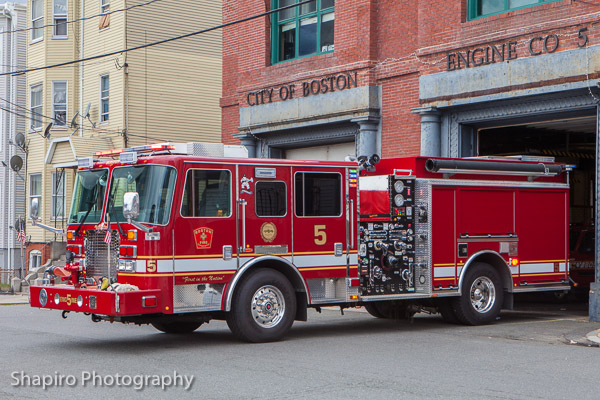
x: 270, y: 199
x: 207, y: 193
x: 318, y: 194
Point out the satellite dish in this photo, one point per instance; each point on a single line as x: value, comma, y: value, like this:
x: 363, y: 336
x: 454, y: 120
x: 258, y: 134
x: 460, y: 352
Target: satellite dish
x: 16, y: 163
x: 47, y: 131
x: 20, y: 140
x: 74, y: 123
x: 86, y: 113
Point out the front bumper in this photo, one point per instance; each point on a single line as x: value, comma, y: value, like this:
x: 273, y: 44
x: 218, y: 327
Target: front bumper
x: 65, y: 297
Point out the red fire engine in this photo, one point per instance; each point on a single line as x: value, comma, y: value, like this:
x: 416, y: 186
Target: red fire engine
x: 159, y: 234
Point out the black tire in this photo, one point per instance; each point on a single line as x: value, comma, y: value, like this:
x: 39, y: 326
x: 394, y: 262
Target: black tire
x: 391, y: 310
x: 373, y: 310
x: 481, y: 297
x: 263, y: 307
x: 445, y: 309
x: 177, y: 327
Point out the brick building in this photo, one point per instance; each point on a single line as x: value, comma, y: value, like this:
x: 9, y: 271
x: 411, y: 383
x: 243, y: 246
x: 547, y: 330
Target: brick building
x: 451, y: 78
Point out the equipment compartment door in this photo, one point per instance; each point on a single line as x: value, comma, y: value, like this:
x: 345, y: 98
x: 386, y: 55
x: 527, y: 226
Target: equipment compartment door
x: 319, y: 222
x: 265, y: 211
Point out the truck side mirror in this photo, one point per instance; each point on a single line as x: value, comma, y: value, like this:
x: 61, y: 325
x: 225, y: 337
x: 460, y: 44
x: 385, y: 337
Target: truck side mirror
x: 131, y: 205
x: 35, y: 209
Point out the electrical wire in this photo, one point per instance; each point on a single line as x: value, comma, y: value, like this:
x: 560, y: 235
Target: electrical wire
x: 143, y: 46
x: 82, y: 18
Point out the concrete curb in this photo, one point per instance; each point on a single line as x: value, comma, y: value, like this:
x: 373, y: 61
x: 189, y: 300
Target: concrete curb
x: 12, y: 299
x: 594, y: 336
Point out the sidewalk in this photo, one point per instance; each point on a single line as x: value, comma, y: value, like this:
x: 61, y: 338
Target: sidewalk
x: 11, y: 299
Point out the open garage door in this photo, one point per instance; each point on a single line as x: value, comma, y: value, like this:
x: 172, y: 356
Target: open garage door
x: 571, y: 141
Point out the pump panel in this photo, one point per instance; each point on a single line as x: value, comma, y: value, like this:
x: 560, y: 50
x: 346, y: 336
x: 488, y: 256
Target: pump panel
x: 388, y: 253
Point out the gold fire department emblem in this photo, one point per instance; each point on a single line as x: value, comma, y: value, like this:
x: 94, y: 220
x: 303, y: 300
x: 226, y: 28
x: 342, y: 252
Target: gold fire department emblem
x: 268, y: 231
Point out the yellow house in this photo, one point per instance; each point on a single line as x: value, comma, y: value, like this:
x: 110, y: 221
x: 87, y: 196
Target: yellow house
x: 163, y: 92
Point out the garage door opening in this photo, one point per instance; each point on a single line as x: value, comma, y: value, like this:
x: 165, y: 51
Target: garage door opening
x: 571, y: 141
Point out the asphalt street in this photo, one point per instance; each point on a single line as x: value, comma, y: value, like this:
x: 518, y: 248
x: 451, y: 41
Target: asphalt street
x: 533, y: 353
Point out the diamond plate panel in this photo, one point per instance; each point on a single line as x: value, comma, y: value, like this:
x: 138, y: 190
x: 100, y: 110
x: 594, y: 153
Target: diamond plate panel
x: 205, y: 297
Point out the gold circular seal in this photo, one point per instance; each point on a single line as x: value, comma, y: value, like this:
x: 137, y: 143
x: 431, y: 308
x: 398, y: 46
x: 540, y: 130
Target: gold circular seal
x: 268, y: 231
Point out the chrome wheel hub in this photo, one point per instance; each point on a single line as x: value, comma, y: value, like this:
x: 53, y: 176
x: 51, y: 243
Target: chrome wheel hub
x: 483, y: 294
x: 268, y: 306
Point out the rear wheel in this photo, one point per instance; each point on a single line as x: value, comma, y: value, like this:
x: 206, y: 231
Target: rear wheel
x: 445, y: 309
x: 481, y: 297
x: 177, y: 327
x: 373, y: 310
x: 390, y: 309
x: 263, y: 308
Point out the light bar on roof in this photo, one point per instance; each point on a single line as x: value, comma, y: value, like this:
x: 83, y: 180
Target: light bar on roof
x: 87, y: 162
x: 146, y: 148
x: 128, y: 157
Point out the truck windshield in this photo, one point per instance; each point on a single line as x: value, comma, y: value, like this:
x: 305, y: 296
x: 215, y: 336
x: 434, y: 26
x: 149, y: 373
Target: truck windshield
x: 153, y: 183
x: 88, y: 196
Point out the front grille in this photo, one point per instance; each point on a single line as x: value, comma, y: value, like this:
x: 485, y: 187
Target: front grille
x: 97, y: 253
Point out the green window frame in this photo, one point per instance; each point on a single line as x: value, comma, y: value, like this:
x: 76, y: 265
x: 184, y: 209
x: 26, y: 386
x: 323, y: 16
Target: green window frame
x: 302, y: 31
x: 485, y: 8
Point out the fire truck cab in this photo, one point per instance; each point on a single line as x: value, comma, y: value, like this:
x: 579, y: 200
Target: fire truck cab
x: 169, y: 235
x: 180, y: 239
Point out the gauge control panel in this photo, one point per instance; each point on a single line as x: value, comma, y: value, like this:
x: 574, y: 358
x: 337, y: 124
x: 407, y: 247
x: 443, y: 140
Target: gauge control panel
x: 387, y: 247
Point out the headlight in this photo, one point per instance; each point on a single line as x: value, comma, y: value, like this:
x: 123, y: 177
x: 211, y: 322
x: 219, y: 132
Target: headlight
x: 43, y: 297
x: 79, y: 301
x: 399, y: 186
x: 127, y: 266
x: 398, y: 200
x: 56, y: 299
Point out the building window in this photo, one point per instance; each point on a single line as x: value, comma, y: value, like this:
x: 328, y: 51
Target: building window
x: 60, y: 18
x: 35, y: 259
x: 104, y: 98
x: 37, y: 19
x: 59, y: 103
x: 35, y: 190
x: 302, y: 31
x: 483, y: 8
x: 35, y: 101
x: 104, y: 6
x: 318, y: 194
x: 58, y: 195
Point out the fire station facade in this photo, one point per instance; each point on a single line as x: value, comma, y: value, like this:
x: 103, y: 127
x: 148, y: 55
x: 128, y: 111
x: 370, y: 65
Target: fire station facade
x: 333, y: 78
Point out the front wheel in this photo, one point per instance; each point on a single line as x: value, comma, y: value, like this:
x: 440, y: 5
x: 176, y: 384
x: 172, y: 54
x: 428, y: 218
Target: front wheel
x: 481, y: 297
x: 263, y: 308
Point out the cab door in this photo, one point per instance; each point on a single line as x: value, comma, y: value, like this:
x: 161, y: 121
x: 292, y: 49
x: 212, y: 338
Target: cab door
x: 264, y: 211
x: 205, y: 239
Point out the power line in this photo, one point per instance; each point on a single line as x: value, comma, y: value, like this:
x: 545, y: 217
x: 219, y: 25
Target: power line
x: 81, y: 19
x: 143, y: 46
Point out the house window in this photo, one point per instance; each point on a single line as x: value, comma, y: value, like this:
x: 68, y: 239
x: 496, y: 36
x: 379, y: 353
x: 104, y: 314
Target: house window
x: 37, y: 19
x: 104, y: 98
x: 58, y: 195
x: 35, y: 259
x: 104, y: 6
x: 60, y: 18
x: 483, y: 8
x: 35, y: 101
x: 302, y: 31
x: 35, y: 190
x: 59, y: 103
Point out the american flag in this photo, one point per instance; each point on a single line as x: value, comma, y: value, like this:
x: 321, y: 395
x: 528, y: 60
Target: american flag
x: 108, y: 236
x: 21, y: 235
